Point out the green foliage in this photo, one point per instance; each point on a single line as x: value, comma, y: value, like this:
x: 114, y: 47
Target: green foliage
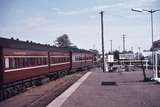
x: 116, y: 54
x: 156, y: 45
x: 96, y: 52
x: 63, y: 41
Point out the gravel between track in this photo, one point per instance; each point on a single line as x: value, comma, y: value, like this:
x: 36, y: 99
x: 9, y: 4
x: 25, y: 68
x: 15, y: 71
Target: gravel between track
x: 42, y: 95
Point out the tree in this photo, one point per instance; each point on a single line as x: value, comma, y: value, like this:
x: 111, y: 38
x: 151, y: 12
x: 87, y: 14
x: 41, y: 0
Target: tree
x: 63, y: 41
x: 156, y: 45
x: 96, y: 52
x: 116, y: 54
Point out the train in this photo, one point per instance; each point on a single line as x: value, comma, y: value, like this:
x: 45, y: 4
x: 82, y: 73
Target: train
x: 26, y: 63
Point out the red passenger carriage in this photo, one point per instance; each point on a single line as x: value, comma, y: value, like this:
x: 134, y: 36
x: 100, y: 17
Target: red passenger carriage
x: 26, y: 62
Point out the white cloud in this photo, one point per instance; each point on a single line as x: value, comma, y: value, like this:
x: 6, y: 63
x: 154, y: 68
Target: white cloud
x: 34, y: 22
x: 55, y: 9
x: 87, y: 10
x: 119, y: 5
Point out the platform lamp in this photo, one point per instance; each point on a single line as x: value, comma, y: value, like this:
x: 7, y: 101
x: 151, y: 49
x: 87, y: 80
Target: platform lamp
x: 151, y: 13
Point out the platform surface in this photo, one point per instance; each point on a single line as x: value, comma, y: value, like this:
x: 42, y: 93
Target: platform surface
x: 128, y: 90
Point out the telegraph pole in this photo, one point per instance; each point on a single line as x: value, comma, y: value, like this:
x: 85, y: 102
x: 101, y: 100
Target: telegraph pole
x: 139, y: 48
x: 111, y: 46
x: 102, y: 40
x: 123, y: 36
x: 131, y: 48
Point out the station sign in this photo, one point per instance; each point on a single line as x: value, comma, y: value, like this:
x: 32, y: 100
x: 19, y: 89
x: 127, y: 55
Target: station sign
x: 126, y: 56
x: 110, y: 58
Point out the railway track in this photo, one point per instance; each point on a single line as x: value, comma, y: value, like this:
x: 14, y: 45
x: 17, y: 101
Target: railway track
x: 42, y: 95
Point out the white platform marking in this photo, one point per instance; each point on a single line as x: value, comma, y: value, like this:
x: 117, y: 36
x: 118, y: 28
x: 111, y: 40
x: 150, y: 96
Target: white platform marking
x: 63, y: 97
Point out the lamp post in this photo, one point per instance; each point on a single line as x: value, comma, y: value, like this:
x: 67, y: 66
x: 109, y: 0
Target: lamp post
x: 151, y: 12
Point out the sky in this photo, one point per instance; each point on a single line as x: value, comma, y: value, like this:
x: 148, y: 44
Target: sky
x: 42, y: 21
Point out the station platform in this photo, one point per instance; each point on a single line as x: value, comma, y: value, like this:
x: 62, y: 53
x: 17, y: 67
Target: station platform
x: 104, y: 89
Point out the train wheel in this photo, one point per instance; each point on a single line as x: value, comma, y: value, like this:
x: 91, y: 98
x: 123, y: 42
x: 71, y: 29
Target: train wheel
x: 38, y: 82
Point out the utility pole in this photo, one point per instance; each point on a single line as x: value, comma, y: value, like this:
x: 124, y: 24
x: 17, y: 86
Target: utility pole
x: 123, y: 36
x: 102, y: 40
x: 111, y: 45
x: 119, y: 48
x: 139, y: 48
x: 132, y: 48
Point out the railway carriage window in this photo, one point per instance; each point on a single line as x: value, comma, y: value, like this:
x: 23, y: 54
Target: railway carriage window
x: 61, y: 59
x: 43, y: 61
x: 38, y: 61
x: 16, y: 63
x: 20, y: 62
x: 10, y: 63
x: 58, y: 59
x: 35, y: 60
x: 64, y: 58
x: 30, y: 61
x: 53, y: 60
x: 25, y: 62
x: 6, y: 62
